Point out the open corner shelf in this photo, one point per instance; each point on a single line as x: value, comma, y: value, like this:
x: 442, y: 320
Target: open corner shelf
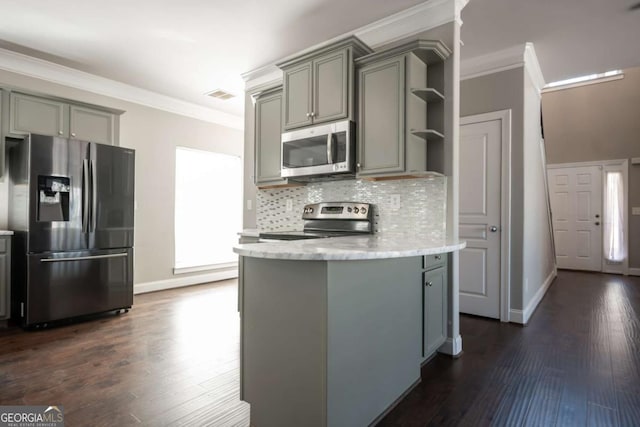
x: 428, y: 134
x: 427, y: 94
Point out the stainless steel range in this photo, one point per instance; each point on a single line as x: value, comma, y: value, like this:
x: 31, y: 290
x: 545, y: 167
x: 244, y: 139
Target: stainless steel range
x: 329, y: 219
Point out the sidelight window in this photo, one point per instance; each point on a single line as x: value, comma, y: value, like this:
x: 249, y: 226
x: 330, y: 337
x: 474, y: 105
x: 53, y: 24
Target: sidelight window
x: 614, y: 238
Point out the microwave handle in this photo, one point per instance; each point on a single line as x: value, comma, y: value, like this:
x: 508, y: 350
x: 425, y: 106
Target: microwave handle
x: 329, y: 148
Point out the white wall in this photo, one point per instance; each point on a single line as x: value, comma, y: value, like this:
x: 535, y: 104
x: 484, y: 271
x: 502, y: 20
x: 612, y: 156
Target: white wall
x: 154, y: 134
x: 537, y: 255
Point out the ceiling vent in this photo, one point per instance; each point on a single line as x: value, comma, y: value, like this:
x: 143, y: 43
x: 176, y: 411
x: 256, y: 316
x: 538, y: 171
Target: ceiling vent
x: 220, y: 94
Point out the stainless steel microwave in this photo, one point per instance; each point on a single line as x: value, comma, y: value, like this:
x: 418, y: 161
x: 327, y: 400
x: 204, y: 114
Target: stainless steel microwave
x: 320, y: 150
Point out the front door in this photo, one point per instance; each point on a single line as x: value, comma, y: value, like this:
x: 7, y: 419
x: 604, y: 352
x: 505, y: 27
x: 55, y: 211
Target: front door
x: 480, y: 194
x: 576, y: 200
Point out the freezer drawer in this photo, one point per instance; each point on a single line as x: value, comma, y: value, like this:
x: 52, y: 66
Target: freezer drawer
x: 69, y: 284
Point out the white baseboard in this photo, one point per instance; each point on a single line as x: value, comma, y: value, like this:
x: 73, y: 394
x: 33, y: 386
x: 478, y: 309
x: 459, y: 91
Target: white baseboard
x: 634, y: 271
x: 523, y: 316
x: 452, y: 346
x: 516, y: 316
x: 178, y: 282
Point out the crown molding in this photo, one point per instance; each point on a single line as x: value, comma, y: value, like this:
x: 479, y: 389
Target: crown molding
x: 261, y: 76
x: 502, y: 60
x: 409, y: 22
x: 45, y: 70
x: 532, y: 66
x: 393, y: 28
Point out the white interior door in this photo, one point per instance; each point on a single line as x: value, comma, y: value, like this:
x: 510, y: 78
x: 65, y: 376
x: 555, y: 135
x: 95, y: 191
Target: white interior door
x: 576, y: 201
x: 479, y: 222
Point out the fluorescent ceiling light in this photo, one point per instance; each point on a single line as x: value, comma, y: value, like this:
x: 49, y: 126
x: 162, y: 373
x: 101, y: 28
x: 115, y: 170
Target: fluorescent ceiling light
x: 584, y: 78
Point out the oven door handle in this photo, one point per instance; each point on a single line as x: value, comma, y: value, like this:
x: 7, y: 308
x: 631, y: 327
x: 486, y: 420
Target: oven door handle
x: 329, y: 148
x: 262, y: 240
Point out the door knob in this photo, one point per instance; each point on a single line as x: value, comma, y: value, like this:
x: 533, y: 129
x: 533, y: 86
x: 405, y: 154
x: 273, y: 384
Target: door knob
x: 493, y: 228
x: 597, y: 215
x: 597, y: 222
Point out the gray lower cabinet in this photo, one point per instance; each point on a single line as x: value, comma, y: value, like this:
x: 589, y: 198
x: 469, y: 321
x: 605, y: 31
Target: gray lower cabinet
x: 48, y: 116
x: 319, y: 85
x: 401, y: 109
x: 268, y: 129
x: 327, y: 343
x: 434, y: 305
x: 5, y: 274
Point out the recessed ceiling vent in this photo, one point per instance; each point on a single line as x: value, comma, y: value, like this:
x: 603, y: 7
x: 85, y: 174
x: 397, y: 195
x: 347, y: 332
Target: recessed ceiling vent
x: 220, y: 94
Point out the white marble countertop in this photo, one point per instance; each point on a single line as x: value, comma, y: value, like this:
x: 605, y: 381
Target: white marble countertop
x: 6, y: 233
x: 376, y: 246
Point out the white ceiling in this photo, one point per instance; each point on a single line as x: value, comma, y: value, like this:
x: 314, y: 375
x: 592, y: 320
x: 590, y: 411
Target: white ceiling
x: 186, y: 48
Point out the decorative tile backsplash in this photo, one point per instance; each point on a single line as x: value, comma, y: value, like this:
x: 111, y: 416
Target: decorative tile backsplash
x: 422, y: 204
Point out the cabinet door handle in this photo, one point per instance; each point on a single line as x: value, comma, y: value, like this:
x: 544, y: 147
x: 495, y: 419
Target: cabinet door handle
x: 73, y: 134
x: 60, y: 132
x: 429, y: 283
x: 308, y: 115
x: 313, y: 114
x: 438, y: 257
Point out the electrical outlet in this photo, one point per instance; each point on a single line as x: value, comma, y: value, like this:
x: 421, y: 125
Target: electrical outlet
x: 249, y: 204
x: 635, y: 210
x: 289, y: 207
x: 395, y: 201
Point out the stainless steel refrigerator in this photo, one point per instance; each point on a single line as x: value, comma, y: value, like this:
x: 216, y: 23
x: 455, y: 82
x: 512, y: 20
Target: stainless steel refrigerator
x: 71, y: 206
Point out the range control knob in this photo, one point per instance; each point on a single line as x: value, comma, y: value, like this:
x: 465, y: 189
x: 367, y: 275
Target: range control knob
x: 356, y: 210
x: 363, y: 211
x: 349, y: 209
x: 310, y: 210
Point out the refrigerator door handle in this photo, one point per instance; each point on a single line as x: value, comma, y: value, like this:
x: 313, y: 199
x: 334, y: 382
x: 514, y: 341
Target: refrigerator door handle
x: 83, y: 258
x: 94, y: 198
x: 85, y: 196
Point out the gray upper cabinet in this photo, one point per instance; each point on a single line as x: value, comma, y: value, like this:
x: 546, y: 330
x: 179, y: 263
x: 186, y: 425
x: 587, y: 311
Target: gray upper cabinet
x: 298, y: 107
x: 381, y: 123
x: 401, y: 109
x: 331, y: 87
x: 268, y: 129
x: 92, y: 125
x: 318, y: 85
x: 3, y: 129
x: 49, y: 116
x: 32, y: 114
x: 5, y: 274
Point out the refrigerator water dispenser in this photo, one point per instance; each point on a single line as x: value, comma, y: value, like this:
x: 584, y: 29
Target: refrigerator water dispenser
x: 53, y: 198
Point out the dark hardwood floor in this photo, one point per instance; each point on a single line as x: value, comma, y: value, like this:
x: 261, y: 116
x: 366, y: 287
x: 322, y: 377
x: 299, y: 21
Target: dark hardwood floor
x: 173, y: 360
x: 576, y: 363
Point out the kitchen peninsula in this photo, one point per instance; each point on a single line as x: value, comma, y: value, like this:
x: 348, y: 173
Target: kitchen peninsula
x: 333, y: 330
